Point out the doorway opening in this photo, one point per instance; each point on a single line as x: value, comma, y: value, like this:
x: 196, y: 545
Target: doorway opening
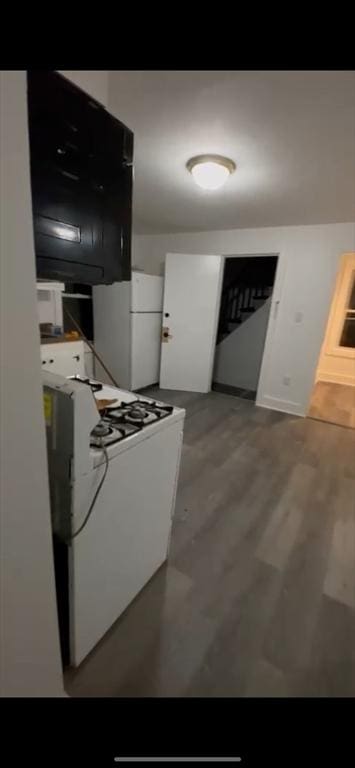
x: 248, y: 283
x: 333, y: 395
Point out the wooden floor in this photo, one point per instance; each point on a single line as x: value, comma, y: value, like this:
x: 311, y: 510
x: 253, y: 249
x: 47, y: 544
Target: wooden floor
x: 258, y: 598
x: 334, y: 403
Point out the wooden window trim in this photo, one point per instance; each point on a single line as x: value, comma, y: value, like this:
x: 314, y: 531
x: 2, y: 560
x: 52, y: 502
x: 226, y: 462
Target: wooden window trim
x: 339, y: 308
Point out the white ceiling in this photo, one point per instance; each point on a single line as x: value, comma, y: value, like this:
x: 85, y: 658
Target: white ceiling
x: 292, y: 135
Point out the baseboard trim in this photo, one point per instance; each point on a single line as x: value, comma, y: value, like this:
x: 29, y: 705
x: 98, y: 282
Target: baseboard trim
x: 142, y: 390
x: 284, y: 406
x: 228, y: 389
x: 336, y: 378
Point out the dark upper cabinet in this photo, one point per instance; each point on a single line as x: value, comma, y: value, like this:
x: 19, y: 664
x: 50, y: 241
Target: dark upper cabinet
x: 81, y: 179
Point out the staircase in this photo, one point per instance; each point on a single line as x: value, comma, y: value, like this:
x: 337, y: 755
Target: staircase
x: 245, y: 290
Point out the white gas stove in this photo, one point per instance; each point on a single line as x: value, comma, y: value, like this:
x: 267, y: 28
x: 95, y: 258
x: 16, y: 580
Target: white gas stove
x: 113, y: 478
x: 127, y: 415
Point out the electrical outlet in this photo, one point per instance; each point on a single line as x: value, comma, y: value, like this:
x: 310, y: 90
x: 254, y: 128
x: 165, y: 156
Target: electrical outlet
x: 287, y: 381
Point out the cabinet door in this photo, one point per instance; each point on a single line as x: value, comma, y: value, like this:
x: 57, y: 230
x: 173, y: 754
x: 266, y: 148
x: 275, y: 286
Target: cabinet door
x: 67, y: 223
x: 65, y: 359
x: 114, y: 152
x: 89, y: 363
x: 81, y: 177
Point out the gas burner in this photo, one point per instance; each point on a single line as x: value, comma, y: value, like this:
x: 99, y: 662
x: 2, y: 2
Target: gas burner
x: 144, y: 412
x: 101, y: 430
x: 137, y: 413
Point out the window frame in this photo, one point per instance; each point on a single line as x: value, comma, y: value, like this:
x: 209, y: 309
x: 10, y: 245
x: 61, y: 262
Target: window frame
x: 340, y: 308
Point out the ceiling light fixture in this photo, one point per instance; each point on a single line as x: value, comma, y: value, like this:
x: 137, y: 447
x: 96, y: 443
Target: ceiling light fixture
x: 210, y: 171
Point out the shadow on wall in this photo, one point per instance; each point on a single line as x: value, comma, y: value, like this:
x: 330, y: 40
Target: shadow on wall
x: 239, y: 356
x: 244, y: 314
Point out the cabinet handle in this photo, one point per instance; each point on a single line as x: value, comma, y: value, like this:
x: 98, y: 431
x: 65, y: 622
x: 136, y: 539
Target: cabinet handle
x: 76, y: 357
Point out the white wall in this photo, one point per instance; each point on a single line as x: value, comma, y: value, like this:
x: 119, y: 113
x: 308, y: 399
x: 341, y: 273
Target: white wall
x: 308, y: 263
x: 239, y: 355
x: 94, y: 82
x: 30, y: 655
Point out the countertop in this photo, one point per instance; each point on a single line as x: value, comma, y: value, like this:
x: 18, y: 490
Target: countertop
x: 59, y: 340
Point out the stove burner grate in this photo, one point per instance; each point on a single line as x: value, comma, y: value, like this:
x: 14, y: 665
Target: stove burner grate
x: 138, y: 411
x: 127, y: 419
x: 101, y: 430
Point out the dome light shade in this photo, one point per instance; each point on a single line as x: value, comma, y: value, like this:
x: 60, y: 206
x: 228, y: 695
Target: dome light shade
x: 210, y: 171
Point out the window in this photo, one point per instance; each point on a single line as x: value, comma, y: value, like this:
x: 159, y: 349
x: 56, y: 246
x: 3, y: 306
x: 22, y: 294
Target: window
x: 340, y: 335
x: 347, y: 336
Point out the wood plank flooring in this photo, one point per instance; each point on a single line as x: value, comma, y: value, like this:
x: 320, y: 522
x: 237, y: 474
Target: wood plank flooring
x: 258, y: 596
x: 334, y: 403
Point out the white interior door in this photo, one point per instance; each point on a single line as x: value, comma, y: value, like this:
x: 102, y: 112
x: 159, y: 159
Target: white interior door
x: 190, y: 316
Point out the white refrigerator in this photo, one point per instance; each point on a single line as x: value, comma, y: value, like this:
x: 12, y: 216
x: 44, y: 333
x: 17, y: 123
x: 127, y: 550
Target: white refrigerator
x: 146, y: 324
x: 127, y: 330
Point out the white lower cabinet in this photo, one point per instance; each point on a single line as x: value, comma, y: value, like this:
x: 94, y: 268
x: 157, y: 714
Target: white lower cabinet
x: 66, y: 358
x: 89, y: 362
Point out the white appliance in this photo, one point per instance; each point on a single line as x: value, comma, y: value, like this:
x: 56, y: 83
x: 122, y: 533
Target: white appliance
x: 128, y: 322
x: 146, y: 323
x: 49, y: 303
x: 126, y: 462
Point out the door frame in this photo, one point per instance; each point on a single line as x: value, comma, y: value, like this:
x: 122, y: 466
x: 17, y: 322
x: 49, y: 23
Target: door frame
x: 333, y: 311
x: 273, y: 315
x: 337, y: 310
x: 215, y: 330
